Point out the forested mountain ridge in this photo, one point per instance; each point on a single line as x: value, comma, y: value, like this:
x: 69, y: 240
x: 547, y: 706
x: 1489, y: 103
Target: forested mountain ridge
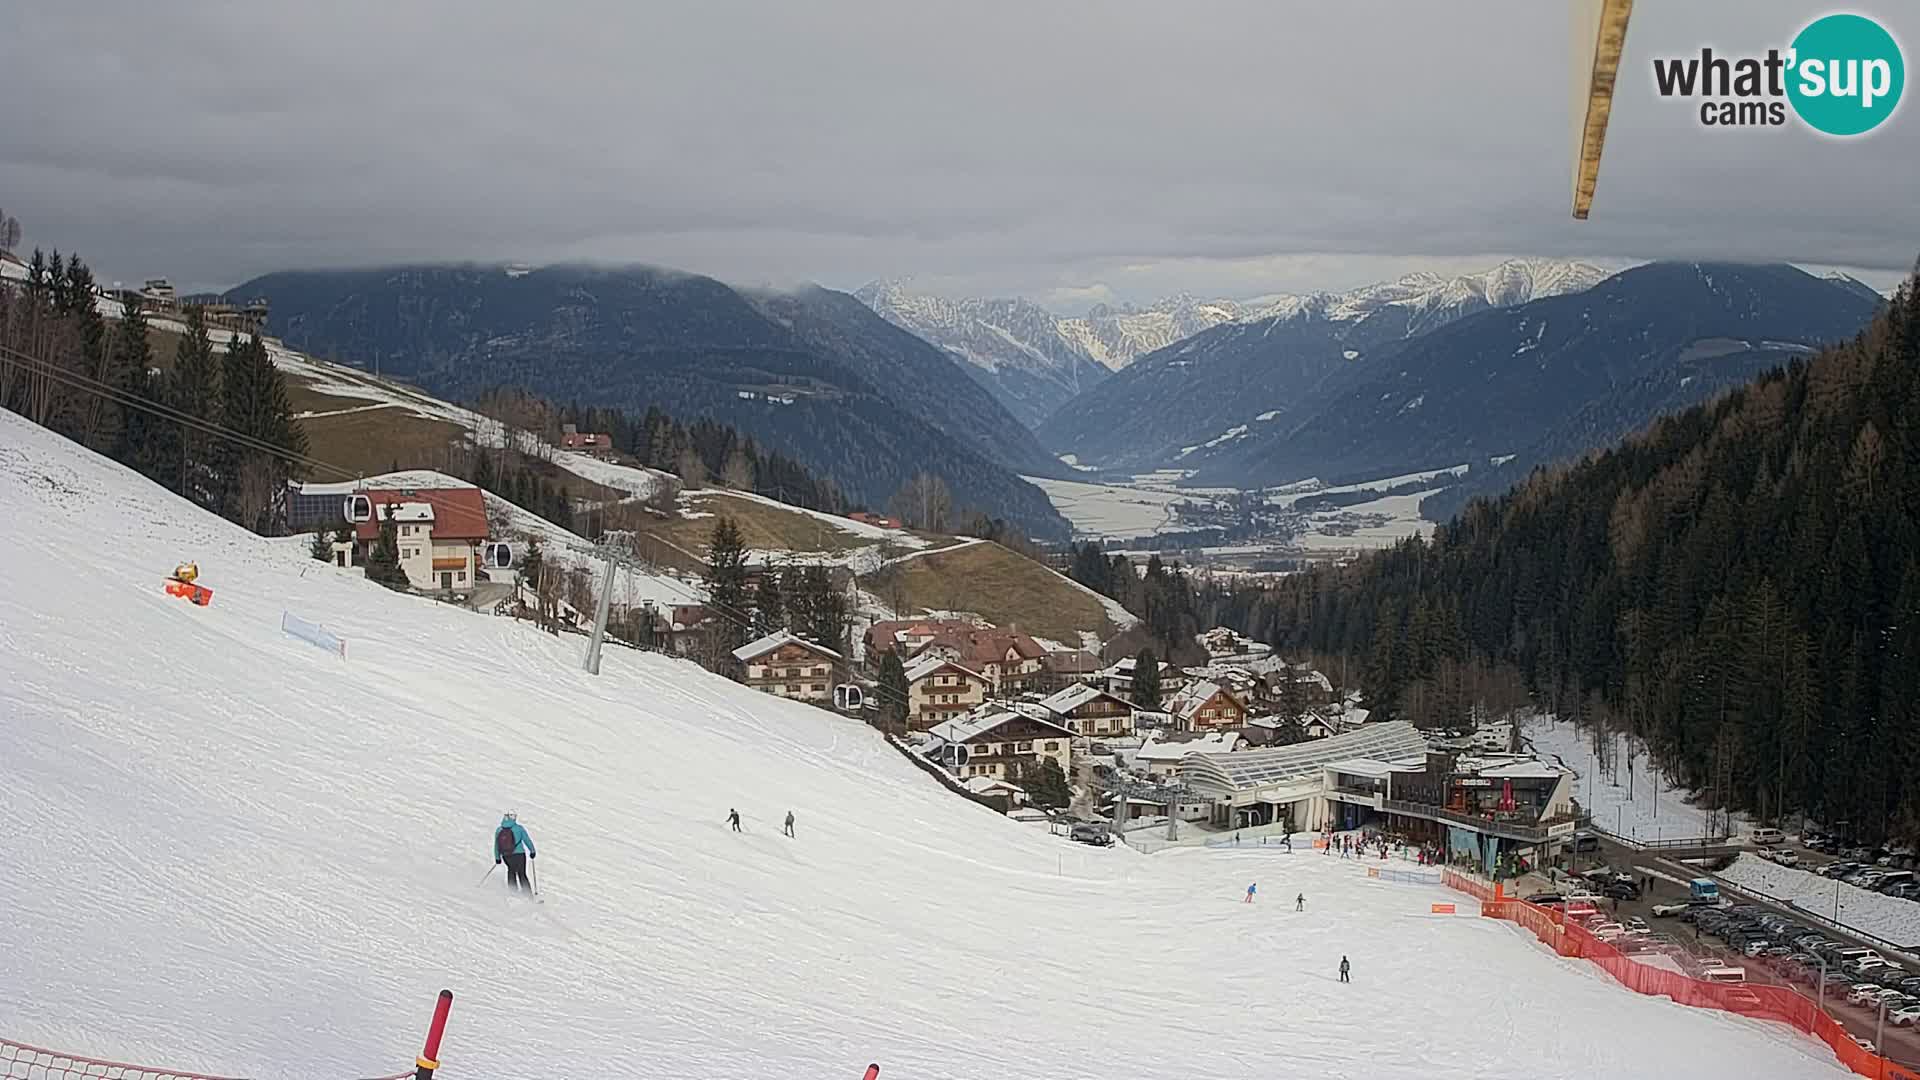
x: 1739, y: 585
x: 635, y: 338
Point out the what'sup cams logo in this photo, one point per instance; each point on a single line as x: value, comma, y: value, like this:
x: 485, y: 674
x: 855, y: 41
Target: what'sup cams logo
x: 1842, y: 76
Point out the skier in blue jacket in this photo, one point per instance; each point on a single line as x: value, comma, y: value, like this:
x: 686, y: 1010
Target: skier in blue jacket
x: 512, y: 845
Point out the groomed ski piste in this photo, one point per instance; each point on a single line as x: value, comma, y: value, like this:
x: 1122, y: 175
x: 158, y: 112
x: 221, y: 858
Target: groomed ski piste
x: 231, y: 852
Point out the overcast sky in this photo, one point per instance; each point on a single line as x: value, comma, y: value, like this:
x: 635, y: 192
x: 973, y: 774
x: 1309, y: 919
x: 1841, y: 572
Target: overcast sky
x: 1071, y: 152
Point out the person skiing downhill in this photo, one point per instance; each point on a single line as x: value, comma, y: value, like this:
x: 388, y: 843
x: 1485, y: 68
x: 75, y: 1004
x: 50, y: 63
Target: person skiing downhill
x: 733, y: 819
x: 1250, y: 890
x: 1300, y: 902
x: 512, y: 846
x: 1343, y: 970
x: 789, y: 829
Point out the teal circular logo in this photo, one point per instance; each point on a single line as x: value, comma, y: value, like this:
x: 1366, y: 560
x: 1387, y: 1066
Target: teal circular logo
x: 1847, y: 74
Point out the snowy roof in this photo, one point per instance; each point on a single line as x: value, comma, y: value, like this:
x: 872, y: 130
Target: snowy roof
x: 987, y: 785
x: 1252, y: 768
x: 1219, y: 742
x: 1524, y: 770
x: 927, y: 665
x: 1192, y: 696
x: 773, y: 641
x: 409, y: 511
x: 1073, y: 697
x: 968, y: 728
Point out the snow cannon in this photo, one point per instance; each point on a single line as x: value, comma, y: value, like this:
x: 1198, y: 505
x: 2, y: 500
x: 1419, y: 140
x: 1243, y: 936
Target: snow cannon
x: 184, y: 584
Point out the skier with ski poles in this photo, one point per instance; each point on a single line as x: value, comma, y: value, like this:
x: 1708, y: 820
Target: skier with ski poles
x: 512, y: 846
x: 789, y: 829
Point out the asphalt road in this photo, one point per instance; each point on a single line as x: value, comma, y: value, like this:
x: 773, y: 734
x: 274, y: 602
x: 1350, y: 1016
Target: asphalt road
x: 1899, y: 1044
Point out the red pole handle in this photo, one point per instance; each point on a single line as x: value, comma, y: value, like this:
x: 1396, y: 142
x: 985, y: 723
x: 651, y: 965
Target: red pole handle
x: 430, y: 1057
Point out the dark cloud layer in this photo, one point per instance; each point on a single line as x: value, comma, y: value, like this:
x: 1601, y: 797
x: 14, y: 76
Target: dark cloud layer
x: 1054, y: 149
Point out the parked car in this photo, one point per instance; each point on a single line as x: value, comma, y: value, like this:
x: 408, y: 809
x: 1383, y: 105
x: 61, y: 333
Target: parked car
x: 1546, y: 898
x: 1904, y: 1017
x: 1864, y: 1044
x: 1096, y: 835
x: 1859, y: 992
x: 1622, y: 890
x: 1668, y: 911
x: 1768, y: 836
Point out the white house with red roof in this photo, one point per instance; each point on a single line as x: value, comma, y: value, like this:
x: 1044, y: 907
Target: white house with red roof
x: 439, y: 532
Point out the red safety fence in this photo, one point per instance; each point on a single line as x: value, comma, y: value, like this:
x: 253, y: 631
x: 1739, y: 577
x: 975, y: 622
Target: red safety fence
x: 1761, y: 1002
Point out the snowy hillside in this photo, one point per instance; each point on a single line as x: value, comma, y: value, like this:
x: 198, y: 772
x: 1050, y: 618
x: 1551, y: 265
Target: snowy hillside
x: 233, y: 852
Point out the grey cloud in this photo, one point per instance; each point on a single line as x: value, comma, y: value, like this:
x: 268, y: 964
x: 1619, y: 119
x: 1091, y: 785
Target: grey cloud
x: 1051, y: 149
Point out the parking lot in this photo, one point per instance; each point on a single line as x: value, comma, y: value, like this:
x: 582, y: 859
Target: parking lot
x: 1702, y: 946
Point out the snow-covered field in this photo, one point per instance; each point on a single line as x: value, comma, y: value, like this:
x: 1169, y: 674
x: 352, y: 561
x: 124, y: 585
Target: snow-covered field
x: 1145, y: 507
x: 230, y: 851
x: 1107, y: 510
x: 1882, y: 916
x: 1625, y: 803
x: 1401, y: 519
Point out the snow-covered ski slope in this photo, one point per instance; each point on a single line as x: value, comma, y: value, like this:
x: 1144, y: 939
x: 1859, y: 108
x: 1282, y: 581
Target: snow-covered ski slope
x: 228, y: 851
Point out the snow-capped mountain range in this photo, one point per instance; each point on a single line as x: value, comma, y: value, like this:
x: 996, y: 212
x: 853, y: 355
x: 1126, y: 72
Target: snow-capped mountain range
x: 1036, y: 361
x: 1427, y: 300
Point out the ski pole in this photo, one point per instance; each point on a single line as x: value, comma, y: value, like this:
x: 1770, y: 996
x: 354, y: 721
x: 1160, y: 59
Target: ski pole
x: 488, y: 874
x: 535, y: 868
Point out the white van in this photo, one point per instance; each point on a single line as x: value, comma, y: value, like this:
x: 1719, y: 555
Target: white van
x: 1768, y: 836
x: 1725, y: 974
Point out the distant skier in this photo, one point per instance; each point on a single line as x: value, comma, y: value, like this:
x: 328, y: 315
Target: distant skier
x: 1250, y: 891
x: 1300, y: 902
x: 789, y: 823
x: 512, y: 846
x: 1343, y: 970
x: 733, y: 819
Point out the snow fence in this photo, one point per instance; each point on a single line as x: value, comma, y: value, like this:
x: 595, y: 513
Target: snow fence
x: 313, y: 633
x: 1777, y: 1003
x: 18, y: 1061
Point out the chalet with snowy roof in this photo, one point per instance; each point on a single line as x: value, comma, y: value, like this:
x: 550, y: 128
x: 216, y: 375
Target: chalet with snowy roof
x: 437, y: 531
x: 787, y: 666
x: 572, y: 438
x: 1089, y: 710
x: 1008, y: 658
x: 1117, y: 678
x: 939, y: 690
x: 880, y: 520
x: 1271, y: 729
x: 1207, y: 706
x: 999, y: 744
x: 1061, y: 668
x: 1162, y: 756
x: 907, y: 635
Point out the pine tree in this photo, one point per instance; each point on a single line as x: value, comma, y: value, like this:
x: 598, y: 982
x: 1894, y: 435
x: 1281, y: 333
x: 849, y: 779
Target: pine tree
x: 143, y: 438
x: 726, y: 581
x: 893, y: 691
x: 769, y: 604
x: 827, y: 610
x: 1146, y: 680
x: 383, y: 561
x: 1045, y: 784
x: 254, y: 403
x: 322, y: 547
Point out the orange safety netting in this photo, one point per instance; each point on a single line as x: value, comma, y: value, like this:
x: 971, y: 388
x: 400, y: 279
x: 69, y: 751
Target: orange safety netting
x: 1761, y: 1002
x: 18, y: 1061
